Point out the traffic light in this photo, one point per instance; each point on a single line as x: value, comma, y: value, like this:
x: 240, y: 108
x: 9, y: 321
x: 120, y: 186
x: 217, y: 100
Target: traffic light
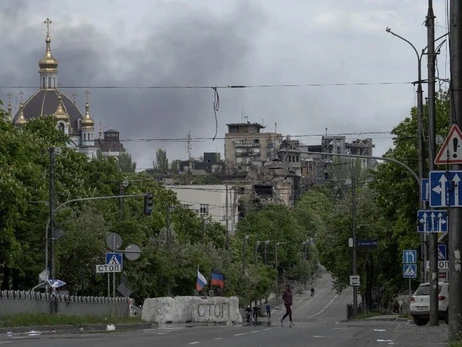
x: 148, y: 204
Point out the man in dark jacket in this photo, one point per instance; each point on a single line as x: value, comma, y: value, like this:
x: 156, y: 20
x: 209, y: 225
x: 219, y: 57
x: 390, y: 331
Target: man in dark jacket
x: 287, y: 299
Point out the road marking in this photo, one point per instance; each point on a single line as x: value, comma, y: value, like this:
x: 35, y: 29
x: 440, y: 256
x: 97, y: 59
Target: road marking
x: 267, y: 329
x: 379, y: 330
x: 325, y: 307
x: 194, y: 343
x: 5, y: 342
x: 240, y: 334
x: 218, y: 338
x: 255, y: 331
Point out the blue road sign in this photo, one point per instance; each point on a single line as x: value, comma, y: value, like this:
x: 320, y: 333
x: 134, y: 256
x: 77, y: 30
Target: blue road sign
x: 367, y: 243
x: 409, y: 256
x: 432, y: 221
x: 442, y: 252
x: 114, y: 259
x: 445, y: 189
x: 410, y: 270
x: 424, y: 189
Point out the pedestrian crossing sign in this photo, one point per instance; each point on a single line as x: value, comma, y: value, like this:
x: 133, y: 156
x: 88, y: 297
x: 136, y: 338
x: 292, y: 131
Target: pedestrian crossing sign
x: 410, y: 270
x: 114, y: 259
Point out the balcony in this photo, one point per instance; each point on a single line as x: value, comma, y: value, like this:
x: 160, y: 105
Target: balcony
x: 246, y: 144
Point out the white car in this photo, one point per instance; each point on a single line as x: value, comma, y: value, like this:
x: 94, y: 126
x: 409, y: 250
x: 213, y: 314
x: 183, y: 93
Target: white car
x: 420, y: 303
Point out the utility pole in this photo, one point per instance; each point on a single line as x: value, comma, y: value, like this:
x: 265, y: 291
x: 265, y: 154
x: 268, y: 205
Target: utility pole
x: 455, y: 214
x: 121, y: 201
x: 227, y: 220
x: 276, y: 265
x: 433, y: 237
x: 203, y: 230
x: 53, y: 305
x: 353, y: 229
x: 243, y: 254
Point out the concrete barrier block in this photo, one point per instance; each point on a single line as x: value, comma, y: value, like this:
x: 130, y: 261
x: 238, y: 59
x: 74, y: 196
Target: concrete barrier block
x: 215, y: 310
x: 165, y: 309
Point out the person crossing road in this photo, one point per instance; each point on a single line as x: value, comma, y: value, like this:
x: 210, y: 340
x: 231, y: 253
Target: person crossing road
x: 287, y: 299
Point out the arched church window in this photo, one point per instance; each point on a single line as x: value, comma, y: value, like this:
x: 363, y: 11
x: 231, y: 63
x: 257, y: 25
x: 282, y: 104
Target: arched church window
x: 54, y: 82
x: 61, y: 127
x: 49, y: 81
x: 44, y: 82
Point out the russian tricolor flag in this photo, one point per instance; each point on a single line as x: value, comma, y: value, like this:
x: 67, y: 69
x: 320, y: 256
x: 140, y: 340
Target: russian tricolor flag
x: 218, y: 279
x: 201, y: 282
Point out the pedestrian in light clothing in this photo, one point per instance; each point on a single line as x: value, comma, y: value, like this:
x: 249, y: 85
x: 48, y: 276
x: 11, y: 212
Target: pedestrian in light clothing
x: 287, y: 299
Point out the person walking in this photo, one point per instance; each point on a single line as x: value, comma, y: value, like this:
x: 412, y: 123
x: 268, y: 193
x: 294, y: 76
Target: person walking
x: 287, y: 299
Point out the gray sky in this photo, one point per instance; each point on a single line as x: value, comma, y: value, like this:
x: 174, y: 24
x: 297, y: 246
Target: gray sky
x: 225, y: 42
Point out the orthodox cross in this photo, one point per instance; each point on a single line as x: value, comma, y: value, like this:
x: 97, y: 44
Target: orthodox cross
x: 48, y: 22
x: 9, y: 95
x: 21, y: 93
x: 74, y: 96
x: 87, y: 93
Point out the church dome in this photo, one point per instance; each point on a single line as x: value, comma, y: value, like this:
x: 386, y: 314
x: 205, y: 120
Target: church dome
x: 48, y: 64
x: 50, y: 102
x: 87, y: 121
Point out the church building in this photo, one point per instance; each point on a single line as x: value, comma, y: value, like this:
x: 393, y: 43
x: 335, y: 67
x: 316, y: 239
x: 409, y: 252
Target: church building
x: 50, y: 101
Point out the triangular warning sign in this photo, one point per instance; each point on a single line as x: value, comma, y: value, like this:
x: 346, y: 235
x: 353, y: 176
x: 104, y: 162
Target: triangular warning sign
x: 409, y: 271
x: 451, y: 151
x: 114, y: 261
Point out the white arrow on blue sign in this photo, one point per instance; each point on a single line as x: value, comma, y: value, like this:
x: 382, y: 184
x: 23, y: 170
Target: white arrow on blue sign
x: 409, y: 256
x: 410, y: 270
x: 442, y: 252
x: 424, y: 189
x: 445, y: 189
x: 432, y: 221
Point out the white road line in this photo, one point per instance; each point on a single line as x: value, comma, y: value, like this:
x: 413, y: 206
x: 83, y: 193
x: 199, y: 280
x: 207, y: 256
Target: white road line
x: 255, y: 331
x: 267, y: 329
x: 325, y: 307
x: 240, y: 334
x: 218, y: 338
x: 379, y: 330
x: 194, y: 343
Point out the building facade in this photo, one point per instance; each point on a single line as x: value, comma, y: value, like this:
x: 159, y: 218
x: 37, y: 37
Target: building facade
x: 215, y: 202
x: 246, y: 146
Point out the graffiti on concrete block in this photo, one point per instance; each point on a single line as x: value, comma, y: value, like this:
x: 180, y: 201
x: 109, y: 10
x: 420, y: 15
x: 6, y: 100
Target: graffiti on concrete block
x: 214, y: 310
x: 164, y: 307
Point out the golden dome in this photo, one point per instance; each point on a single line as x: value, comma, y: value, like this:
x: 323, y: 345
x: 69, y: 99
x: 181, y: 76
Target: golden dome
x: 61, y: 113
x: 87, y: 121
x: 21, y: 120
x: 48, y: 63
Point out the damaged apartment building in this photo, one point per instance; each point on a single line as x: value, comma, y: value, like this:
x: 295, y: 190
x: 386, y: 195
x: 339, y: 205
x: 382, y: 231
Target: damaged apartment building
x: 276, y: 169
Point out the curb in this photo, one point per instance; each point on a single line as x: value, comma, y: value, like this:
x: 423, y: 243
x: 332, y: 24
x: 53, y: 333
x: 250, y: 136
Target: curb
x: 72, y: 329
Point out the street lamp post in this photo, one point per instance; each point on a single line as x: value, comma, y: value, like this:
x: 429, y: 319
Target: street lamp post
x: 257, y: 243
x: 266, y: 246
x: 246, y: 237
x: 420, y: 134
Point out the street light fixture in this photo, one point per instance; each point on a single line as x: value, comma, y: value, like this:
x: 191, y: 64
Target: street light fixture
x: 420, y: 133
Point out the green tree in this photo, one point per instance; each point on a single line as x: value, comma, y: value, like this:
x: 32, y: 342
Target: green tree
x: 125, y: 163
x: 161, y: 163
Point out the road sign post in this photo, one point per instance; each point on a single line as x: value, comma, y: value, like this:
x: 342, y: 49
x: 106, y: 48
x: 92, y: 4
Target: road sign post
x: 410, y: 266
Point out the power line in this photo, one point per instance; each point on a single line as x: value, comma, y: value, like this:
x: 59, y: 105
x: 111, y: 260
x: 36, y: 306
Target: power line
x: 243, y: 136
x: 223, y: 86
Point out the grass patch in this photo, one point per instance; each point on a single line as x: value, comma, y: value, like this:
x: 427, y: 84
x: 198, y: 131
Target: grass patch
x: 365, y: 315
x: 455, y: 344
x: 39, y: 319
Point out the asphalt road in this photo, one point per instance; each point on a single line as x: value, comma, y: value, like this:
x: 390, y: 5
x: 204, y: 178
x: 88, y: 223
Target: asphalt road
x: 319, y: 321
